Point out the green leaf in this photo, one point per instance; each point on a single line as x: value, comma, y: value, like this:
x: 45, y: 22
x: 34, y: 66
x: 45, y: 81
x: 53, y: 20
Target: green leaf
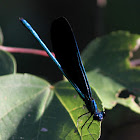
x: 75, y: 107
x: 7, y: 63
x: 30, y: 111
x: 23, y: 100
x: 107, y: 62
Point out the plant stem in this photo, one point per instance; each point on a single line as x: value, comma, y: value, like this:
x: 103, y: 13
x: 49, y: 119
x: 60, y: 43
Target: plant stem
x: 24, y: 50
x: 133, y: 63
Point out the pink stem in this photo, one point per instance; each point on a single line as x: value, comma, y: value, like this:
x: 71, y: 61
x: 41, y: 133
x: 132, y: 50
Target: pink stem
x: 25, y: 50
x: 135, y: 62
x: 43, y: 53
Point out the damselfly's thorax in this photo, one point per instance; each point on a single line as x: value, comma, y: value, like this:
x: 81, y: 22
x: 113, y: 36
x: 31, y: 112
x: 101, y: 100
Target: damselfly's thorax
x: 92, y: 108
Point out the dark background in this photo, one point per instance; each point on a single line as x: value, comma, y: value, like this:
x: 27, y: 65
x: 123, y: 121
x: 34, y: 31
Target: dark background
x: 87, y: 18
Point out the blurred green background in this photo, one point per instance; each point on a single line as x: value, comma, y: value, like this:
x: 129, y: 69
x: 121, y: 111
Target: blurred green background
x: 89, y: 19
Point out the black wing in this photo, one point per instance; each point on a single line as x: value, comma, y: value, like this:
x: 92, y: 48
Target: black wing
x: 68, y: 55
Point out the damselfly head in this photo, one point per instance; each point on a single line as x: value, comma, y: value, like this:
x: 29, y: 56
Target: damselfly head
x: 99, y: 116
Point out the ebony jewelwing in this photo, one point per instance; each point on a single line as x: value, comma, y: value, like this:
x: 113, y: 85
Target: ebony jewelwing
x: 69, y: 62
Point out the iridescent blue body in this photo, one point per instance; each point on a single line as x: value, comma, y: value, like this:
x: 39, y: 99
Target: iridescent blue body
x: 69, y: 62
